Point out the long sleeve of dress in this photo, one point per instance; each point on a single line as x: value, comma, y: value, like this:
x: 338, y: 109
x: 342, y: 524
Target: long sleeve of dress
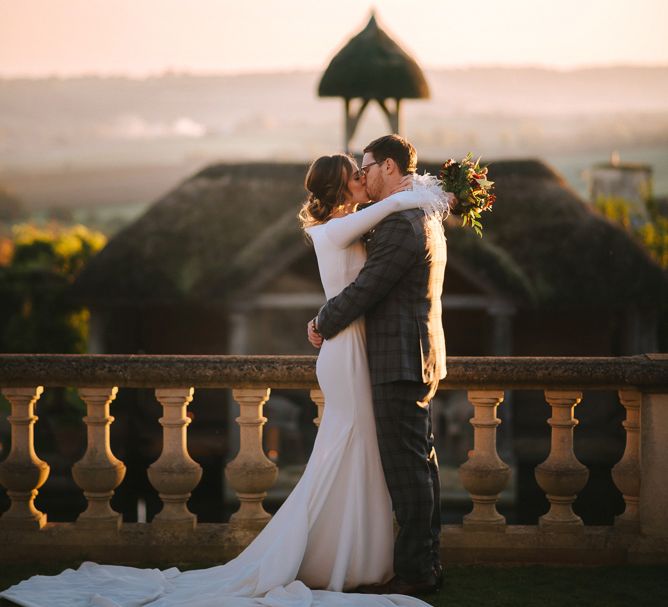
x: 392, y: 256
x: 343, y: 231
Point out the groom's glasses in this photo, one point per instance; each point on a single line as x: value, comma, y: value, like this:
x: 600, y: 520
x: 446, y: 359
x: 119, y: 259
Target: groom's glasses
x: 365, y: 169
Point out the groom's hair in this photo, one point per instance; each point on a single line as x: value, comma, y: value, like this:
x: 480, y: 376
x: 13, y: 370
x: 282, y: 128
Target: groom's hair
x: 397, y: 148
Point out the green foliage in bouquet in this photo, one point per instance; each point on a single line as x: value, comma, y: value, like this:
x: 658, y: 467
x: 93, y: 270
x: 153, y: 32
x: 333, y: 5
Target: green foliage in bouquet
x: 467, y: 180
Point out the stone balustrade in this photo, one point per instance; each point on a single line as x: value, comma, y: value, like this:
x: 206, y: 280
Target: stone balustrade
x: 484, y: 475
x: 627, y: 472
x: 561, y: 475
x: 174, y: 475
x: 639, y: 534
x: 23, y: 473
x: 98, y: 472
x: 251, y: 473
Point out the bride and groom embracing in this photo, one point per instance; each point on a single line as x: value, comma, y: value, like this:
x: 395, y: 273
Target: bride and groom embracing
x: 382, y: 354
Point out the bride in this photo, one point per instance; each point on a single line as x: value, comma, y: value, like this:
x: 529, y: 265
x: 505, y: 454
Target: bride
x: 334, y: 532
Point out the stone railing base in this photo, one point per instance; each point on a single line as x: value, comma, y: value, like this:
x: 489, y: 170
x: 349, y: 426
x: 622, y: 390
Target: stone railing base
x: 212, y: 543
x: 525, y: 544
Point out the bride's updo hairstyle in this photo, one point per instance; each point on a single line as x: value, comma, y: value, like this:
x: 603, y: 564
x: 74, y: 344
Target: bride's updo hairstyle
x: 327, y: 186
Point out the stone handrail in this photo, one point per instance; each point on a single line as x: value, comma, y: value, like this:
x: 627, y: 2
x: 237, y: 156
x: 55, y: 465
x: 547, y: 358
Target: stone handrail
x: 647, y: 371
x: 640, y: 534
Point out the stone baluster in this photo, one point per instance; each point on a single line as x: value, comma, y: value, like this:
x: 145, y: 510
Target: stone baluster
x: 22, y: 472
x: 626, y: 473
x: 175, y: 474
x: 484, y: 475
x: 250, y: 473
x: 98, y: 472
x: 653, y: 505
x: 561, y: 475
x: 319, y: 399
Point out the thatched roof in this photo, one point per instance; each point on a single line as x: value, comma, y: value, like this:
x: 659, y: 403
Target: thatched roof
x: 569, y: 253
x: 230, y: 228
x: 373, y: 66
x: 196, y: 236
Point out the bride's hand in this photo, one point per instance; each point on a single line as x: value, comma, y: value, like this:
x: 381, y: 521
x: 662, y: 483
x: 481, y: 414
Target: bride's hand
x: 314, y: 336
x: 406, y: 183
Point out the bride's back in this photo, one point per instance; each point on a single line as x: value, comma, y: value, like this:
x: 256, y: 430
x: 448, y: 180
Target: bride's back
x: 338, y: 266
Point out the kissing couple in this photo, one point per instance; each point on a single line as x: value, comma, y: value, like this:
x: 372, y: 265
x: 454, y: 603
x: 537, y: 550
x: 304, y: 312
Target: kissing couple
x: 381, y: 356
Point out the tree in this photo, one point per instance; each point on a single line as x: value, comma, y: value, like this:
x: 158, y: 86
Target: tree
x: 36, y: 314
x: 652, y: 233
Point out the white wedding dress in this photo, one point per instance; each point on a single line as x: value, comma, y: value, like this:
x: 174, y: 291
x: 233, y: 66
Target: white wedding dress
x: 334, y: 532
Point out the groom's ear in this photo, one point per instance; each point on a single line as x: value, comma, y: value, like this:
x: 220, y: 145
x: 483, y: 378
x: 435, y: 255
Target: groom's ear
x: 392, y: 166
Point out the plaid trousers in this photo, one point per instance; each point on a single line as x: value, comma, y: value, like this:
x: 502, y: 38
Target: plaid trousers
x: 403, y: 425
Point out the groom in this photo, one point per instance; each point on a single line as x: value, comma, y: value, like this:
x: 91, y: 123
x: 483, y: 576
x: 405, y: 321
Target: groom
x: 399, y: 292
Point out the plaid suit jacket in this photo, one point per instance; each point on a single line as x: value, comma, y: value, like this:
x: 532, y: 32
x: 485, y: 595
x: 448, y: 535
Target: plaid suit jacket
x: 399, y: 292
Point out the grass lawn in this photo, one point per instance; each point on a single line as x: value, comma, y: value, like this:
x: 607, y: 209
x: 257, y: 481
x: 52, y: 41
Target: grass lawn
x: 478, y: 586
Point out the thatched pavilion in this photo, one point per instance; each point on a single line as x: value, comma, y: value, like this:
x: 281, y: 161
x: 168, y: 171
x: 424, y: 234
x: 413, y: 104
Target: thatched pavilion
x: 219, y: 265
x: 372, y: 67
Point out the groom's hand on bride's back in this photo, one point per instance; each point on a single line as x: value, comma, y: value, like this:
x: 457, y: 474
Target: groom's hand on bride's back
x: 314, y: 336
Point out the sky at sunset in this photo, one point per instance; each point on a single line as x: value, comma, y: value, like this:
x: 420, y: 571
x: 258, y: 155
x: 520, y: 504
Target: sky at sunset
x: 148, y: 37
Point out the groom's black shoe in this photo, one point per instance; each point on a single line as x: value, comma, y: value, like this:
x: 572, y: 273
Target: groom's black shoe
x: 398, y: 585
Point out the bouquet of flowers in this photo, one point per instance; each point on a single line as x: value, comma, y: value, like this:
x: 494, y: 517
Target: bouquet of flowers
x: 467, y: 180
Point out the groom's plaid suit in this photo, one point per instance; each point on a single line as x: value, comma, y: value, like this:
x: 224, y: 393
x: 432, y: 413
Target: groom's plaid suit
x: 399, y: 293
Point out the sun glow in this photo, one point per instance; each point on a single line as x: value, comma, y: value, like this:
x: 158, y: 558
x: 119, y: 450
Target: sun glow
x: 143, y: 37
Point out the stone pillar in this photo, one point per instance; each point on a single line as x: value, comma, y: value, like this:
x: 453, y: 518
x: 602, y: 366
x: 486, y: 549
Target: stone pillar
x: 654, y: 465
x: 484, y: 475
x: 175, y: 474
x: 502, y: 329
x: 319, y: 399
x: 347, y: 122
x: 239, y: 332
x: 238, y: 343
x: 98, y: 472
x: 626, y: 473
x: 501, y: 336
x: 97, y: 325
x: 250, y: 473
x: 23, y: 473
x: 561, y: 475
x: 640, y: 330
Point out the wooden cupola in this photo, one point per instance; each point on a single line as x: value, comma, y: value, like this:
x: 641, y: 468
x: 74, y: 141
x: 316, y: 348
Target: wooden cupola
x: 372, y: 67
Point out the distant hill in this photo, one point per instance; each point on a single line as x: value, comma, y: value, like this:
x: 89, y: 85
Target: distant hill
x: 55, y: 126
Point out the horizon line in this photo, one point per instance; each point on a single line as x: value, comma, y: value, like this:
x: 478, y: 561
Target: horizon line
x: 178, y: 72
